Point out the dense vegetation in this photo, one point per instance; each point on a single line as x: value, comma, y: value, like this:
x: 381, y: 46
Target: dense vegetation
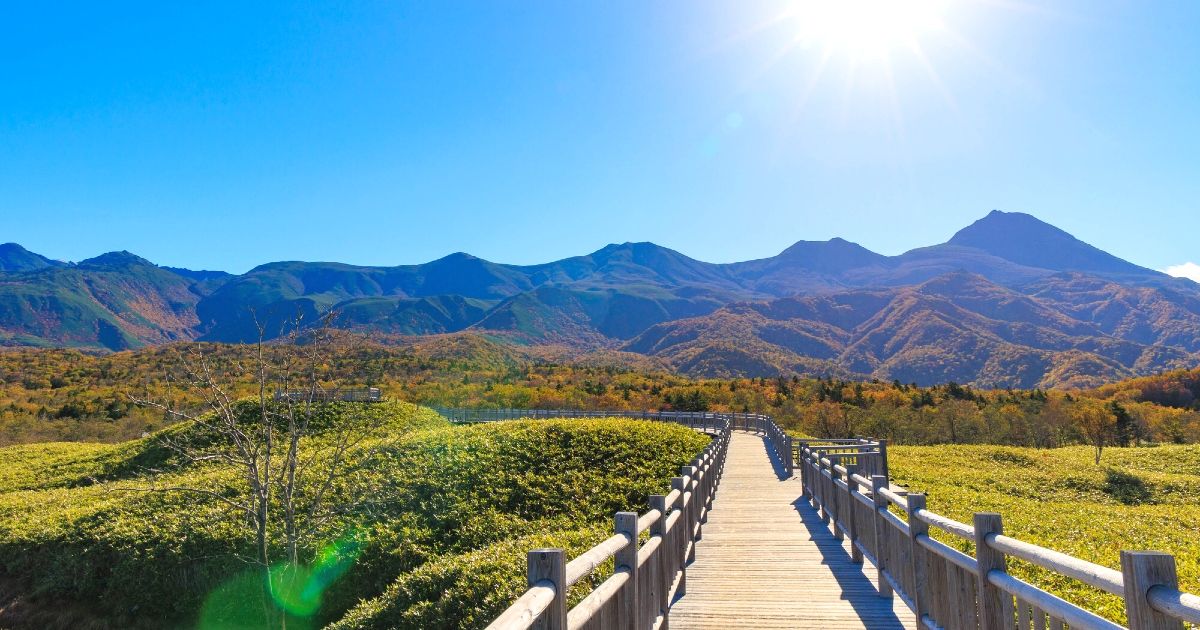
x: 1139, y: 498
x: 89, y: 537
x: 454, y: 509
x: 67, y: 395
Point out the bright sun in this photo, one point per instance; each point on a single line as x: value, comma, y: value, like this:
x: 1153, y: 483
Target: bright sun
x: 865, y: 28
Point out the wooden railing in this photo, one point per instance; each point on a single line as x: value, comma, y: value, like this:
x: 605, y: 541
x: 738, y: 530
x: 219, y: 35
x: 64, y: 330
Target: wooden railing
x: 781, y: 442
x: 703, y: 420
x: 646, y: 576
x: 363, y: 394
x: 946, y: 588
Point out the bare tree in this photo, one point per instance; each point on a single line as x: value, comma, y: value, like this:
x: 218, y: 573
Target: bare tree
x: 295, y: 458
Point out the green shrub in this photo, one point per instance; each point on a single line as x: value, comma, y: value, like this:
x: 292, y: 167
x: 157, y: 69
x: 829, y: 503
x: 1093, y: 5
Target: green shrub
x: 75, y: 528
x: 465, y: 590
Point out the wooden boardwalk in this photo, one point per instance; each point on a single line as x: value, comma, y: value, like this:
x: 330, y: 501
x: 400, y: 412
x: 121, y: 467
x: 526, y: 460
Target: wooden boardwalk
x: 767, y: 561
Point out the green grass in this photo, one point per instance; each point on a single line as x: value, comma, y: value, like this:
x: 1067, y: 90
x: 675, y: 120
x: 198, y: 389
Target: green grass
x: 440, y: 543
x: 1136, y: 499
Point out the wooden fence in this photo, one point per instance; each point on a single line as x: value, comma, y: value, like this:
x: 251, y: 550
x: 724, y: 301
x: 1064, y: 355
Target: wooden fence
x: 703, y: 420
x: 364, y: 394
x: 646, y: 576
x: 946, y: 588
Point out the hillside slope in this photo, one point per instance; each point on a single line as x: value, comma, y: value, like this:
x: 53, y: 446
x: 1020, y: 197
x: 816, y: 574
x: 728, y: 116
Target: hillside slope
x: 956, y: 327
x: 1040, y: 308
x: 115, y: 302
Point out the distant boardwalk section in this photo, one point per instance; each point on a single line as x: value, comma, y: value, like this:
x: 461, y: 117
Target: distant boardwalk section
x: 364, y: 394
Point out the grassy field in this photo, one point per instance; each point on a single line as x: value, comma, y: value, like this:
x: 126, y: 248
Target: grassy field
x: 440, y: 544
x: 1136, y: 499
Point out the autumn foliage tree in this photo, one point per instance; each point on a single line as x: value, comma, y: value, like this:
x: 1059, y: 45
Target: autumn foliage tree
x: 1096, y: 422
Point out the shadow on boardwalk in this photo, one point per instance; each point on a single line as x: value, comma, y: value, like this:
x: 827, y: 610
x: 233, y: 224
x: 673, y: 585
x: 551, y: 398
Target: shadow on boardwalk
x: 849, y: 576
x: 767, y: 561
x: 781, y: 472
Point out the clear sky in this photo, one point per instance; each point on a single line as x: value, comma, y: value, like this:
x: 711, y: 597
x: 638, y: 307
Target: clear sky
x: 222, y: 136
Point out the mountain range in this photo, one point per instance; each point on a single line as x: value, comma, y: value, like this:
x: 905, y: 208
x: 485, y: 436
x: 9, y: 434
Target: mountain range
x: 1009, y: 301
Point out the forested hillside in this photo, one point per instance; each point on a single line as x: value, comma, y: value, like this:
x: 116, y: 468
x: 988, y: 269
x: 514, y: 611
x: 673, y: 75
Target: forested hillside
x: 1008, y: 301
x: 68, y: 395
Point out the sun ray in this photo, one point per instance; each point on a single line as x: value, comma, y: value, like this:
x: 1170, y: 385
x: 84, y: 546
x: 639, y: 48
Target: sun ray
x: 918, y: 52
x: 748, y: 32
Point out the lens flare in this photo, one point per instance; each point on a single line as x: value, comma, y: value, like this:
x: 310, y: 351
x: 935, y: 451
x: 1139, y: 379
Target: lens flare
x: 287, y: 595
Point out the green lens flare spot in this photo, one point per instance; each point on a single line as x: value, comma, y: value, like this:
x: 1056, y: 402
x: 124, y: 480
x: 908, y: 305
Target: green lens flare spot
x: 294, y: 589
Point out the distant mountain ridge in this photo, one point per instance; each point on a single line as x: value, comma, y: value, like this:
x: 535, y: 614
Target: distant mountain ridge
x: 16, y: 259
x: 1007, y: 301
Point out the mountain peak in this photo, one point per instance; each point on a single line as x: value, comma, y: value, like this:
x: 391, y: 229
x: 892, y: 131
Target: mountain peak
x: 456, y: 259
x: 459, y: 256
x: 115, y: 259
x: 640, y: 253
x: 1000, y: 223
x: 16, y: 259
x: 1026, y: 240
x: 833, y: 256
x: 630, y: 246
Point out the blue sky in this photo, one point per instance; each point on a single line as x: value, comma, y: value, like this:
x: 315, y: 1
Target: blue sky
x: 222, y: 136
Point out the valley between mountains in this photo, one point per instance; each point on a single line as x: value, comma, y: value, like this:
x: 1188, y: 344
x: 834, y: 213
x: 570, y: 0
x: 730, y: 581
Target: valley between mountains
x: 1009, y: 301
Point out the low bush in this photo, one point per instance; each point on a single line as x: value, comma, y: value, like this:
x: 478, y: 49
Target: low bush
x: 77, y: 533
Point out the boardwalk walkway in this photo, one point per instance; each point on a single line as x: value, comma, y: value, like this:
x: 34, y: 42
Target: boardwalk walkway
x: 766, y: 560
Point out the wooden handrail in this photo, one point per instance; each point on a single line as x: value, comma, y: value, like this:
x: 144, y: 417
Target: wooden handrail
x: 1056, y: 607
x: 528, y: 607
x: 1177, y: 604
x: 994, y: 597
x: 645, y: 577
x: 1089, y: 573
x: 587, y: 562
x: 359, y: 394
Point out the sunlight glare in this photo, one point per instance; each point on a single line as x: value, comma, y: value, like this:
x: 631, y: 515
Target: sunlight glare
x: 866, y: 28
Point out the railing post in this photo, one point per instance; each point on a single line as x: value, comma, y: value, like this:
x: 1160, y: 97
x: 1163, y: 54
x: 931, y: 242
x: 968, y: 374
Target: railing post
x: 1142, y: 571
x: 917, y: 527
x: 789, y: 460
x: 806, y: 494
x: 825, y: 481
x: 878, y: 483
x: 883, y: 459
x: 680, y: 542
x: 835, y: 501
x: 991, y: 599
x: 627, y: 523
x: 550, y: 565
x: 856, y: 555
x: 662, y: 581
x: 693, y: 510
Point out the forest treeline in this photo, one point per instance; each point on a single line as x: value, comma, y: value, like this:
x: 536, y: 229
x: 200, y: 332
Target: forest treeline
x: 65, y: 395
